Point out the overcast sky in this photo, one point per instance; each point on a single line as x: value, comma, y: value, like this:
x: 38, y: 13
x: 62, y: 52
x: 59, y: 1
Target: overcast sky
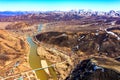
x: 64, y: 5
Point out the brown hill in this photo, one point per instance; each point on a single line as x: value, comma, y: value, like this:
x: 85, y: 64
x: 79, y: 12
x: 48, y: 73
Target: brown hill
x: 17, y: 25
x: 74, y: 47
x: 99, y: 43
x: 22, y: 27
x: 13, y: 48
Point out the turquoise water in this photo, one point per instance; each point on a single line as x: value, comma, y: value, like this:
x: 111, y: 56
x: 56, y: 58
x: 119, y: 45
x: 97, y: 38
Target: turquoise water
x: 39, y: 28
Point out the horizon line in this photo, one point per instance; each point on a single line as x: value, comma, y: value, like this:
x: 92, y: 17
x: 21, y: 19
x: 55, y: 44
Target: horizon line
x: 57, y: 10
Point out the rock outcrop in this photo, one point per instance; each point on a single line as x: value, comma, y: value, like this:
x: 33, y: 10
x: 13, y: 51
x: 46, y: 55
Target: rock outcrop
x: 90, y: 70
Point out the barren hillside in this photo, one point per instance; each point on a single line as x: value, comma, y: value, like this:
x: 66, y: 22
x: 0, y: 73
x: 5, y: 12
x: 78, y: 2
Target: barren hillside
x: 73, y: 47
x: 13, y: 49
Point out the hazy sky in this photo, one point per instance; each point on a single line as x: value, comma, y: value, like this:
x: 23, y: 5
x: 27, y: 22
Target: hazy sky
x: 45, y: 5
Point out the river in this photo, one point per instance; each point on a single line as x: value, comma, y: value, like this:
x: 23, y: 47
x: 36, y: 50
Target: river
x: 35, y: 61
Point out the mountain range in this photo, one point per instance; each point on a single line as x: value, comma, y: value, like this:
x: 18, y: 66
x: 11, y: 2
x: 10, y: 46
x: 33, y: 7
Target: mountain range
x: 80, y: 12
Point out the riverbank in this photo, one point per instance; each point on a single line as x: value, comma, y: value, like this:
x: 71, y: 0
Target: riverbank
x: 37, y: 62
x: 63, y: 63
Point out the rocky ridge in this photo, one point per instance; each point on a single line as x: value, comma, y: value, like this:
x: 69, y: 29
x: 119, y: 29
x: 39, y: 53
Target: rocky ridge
x: 80, y: 46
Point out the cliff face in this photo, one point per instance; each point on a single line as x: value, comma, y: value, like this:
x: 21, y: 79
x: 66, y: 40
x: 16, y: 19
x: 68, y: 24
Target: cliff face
x: 13, y: 50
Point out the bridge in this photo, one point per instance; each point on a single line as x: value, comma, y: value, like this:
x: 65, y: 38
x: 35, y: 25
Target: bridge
x: 29, y: 75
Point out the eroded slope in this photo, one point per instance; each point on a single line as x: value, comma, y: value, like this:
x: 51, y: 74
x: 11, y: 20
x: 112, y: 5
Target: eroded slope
x: 13, y: 51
